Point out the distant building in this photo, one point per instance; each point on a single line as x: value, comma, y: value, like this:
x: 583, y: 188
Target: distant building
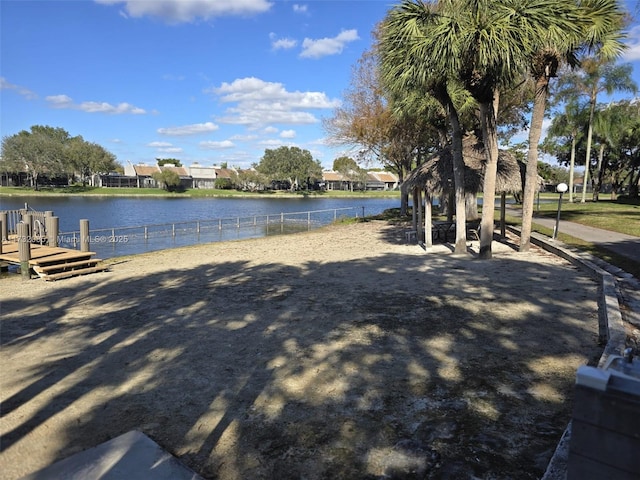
x: 374, y: 181
x: 388, y: 179
x: 186, y: 180
x: 143, y: 174
x: 202, y: 177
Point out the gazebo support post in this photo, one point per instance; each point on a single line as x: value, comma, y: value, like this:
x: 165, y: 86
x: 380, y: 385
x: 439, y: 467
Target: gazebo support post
x: 503, y: 214
x: 414, y: 211
x: 428, y: 215
x: 420, y: 229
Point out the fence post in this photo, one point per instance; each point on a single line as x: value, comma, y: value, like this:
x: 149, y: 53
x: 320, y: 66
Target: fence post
x: 4, y: 231
x: 51, y: 225
x: 24, y: 250
x: 84, y: 235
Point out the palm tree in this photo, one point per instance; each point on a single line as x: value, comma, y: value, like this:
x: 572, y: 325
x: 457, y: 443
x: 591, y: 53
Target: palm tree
x: 593, y: 24
x: 497, y: 40
x: 569, y: 126
x: 596, y: 76
x: 406, y: 65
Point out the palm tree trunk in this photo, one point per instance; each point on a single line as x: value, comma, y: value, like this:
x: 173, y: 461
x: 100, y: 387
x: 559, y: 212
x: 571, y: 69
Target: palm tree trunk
x: 599, y: 175
x: 531, y: 178
x: 458, y: 168
x: 572, y: 167
x: 420, y: 229
x: 587, y: 160
x: 428, y: 217
x: 404, y: 197
x: 490, y: 138
x: 471, y: 204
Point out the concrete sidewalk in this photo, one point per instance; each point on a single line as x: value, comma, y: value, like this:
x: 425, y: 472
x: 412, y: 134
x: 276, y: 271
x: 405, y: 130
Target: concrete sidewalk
x: 620, y: 243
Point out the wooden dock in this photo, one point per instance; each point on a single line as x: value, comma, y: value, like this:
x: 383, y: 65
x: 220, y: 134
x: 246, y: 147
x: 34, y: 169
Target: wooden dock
x: 54, y: 263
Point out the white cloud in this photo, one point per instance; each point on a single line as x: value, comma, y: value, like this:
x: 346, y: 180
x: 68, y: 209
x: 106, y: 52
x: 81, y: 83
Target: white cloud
x: 25, y: 92
x: 193, y: 129
x: 211, y: 145
x: 60, y: 101
x: 164, y: 147
x: 300, y: 8
x: 328, y: 46
x: 288, y: 134
x: 184, y: 11
x: 243, y: 138
x: 64, y: 101
x: 270, y: 130
x: 271, y: 143
x: 283, y: 43
x: 633, y: 42
x: 261, y: 103
x: 319, y: 141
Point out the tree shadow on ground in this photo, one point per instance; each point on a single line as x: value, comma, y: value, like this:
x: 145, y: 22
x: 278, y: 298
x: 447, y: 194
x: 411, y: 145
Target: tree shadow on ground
x: 393, y: 366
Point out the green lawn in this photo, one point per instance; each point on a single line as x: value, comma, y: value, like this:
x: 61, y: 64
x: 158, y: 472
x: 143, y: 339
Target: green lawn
x: 619, y: 216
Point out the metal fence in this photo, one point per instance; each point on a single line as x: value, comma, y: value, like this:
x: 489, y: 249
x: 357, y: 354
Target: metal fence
x: 118, y: 241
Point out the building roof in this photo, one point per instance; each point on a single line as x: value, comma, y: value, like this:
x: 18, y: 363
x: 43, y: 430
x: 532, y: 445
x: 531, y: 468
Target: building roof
x: 332, y: 177
x: 386, y: 177
x: 181, y: 171
x: 436, y: 174
x: 200, y: 171
x: 145, y: 170
x: 225, y: 173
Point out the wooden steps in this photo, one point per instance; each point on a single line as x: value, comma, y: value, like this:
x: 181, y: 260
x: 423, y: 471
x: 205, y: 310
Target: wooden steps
x: 66, y: 273
x: 54, y: 263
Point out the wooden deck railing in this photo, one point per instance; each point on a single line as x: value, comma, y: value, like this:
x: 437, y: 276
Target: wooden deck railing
x: 36, y: 220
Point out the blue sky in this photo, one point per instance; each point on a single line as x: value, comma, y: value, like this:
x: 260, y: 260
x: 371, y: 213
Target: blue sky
x: 202, y: 81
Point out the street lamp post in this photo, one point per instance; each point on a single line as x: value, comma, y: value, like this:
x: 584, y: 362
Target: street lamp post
x: 561, y: 188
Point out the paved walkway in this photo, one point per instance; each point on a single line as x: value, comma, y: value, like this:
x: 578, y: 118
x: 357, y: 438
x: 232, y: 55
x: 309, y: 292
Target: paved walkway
x: 625, y: 245
x: 620, y: 243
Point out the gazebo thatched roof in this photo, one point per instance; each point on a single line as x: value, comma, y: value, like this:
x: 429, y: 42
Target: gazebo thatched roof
x: 436, y: 174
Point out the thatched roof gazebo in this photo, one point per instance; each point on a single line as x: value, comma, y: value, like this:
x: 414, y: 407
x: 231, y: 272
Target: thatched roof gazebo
x: 435, y: 179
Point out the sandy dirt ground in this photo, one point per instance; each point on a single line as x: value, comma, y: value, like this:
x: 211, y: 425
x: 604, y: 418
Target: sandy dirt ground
x: 341, y: 353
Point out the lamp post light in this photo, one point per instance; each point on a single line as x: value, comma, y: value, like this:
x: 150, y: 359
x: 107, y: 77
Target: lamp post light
x: 561, y: 188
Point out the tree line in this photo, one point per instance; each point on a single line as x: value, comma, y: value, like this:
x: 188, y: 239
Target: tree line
x: 442, y: 70
x: 51, y: 152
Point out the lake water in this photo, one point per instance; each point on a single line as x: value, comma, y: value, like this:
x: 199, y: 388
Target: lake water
x: 198, y: 220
